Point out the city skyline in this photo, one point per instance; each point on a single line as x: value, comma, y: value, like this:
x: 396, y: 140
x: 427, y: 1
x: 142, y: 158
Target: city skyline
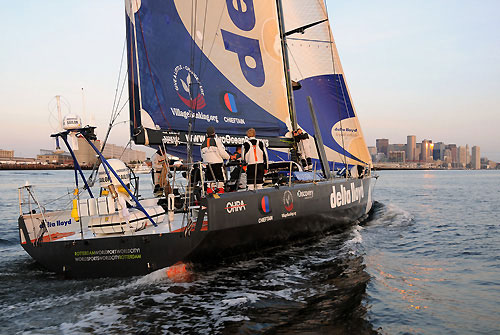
x: 422, y: 68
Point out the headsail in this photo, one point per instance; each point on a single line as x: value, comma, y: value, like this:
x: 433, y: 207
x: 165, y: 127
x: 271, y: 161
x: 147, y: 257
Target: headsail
x: 315, y: 64
x: 218, y: 63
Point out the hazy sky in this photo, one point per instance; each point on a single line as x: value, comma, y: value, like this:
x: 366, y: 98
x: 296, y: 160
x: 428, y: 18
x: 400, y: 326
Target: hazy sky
x: 427, y: 68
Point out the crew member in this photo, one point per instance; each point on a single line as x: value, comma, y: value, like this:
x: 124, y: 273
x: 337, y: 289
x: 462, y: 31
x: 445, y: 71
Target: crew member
x: 158, y: 162
x: 304, y: 145
x: 213, y: 153
x: 254, y: 154
x: 235, y: 175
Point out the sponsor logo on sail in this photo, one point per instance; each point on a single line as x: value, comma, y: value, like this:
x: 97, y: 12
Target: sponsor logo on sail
x: 344, y: 196
x: 235, y: 206
x: 188, y: 87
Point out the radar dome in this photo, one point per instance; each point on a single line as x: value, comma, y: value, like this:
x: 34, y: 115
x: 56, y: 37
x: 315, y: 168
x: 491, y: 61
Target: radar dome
x: 121, y: 170
x: 71, y: 121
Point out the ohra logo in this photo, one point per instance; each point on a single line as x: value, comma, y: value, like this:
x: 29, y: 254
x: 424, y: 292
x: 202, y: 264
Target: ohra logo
x: 235, y: 206
x: 189, y: 88
x: 288, y: 200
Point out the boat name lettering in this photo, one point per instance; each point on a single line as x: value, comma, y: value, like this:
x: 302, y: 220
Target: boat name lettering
x: 346, y: 196
x: 246, y: 48
x: 57, y: 223
x: 305, y: 194
x: 235, y: 206
x: 265, y: 219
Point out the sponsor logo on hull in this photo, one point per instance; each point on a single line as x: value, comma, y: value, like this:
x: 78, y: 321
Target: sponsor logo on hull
x: 235, y: 206
x: 344, y: 196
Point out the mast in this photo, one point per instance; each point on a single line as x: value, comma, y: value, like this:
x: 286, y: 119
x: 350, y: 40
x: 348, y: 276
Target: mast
x: 289, y: 93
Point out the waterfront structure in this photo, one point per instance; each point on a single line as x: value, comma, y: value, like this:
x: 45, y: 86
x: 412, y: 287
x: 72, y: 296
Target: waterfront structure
x: 382, y: 145
x: 411, y: 141
x: 6, y: 153
x: 476, y: 158
x: 51, y: 157
x: 124, y: 154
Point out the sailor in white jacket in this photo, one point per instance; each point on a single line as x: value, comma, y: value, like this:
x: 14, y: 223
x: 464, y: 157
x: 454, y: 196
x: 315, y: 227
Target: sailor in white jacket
x: 254, y: 154
x: 213, y: 153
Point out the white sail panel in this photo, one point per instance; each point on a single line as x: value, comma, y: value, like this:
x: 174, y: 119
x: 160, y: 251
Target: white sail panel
x: 315, y: 63
x: 219, y: 28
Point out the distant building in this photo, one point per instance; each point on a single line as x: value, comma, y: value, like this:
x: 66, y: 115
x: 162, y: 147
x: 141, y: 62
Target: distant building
x: 382, y: 145
x: 476, y: 161
x: 410, y: 147
x: 51, y: 157
x: 426, y: 149
x: 396, y: 147
x: 453, y: 150
x: 373, y: 152
x: 125, y: 154
x: 467, y: 155
x: 438, y: 151
x: 397, y: 156
x: 461, y: 157
x: 6, y: 153
x: 85, y: 155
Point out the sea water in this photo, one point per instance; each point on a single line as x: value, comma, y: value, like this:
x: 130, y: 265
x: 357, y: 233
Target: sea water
x: 427, y: 261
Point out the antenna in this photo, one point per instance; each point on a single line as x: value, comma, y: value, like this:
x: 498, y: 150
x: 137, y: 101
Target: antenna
x: 59, y: 114
x: 84, y: 114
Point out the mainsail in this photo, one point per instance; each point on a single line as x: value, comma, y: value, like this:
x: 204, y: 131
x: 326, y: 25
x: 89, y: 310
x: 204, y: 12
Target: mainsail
x: 315, y: 64
x: 194, y: 64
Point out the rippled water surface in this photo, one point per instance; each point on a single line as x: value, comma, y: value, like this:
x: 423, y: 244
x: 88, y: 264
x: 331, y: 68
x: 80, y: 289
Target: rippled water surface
x: 426, y: 262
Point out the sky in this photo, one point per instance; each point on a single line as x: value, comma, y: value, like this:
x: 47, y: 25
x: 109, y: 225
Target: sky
x: 426, y: 68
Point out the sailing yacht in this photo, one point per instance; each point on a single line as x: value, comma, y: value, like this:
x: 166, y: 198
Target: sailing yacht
x: 233, y: 65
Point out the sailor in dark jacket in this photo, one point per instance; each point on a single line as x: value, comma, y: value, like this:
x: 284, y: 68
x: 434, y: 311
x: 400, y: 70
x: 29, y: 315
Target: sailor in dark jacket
x: 213, y: 153
x: 254, y: 154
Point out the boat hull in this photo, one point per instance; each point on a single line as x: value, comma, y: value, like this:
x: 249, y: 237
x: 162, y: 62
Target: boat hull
x: 234, y: 224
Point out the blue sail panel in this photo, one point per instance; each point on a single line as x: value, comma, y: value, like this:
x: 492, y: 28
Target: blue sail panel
x: 333, y: 109
x: 215, y: 74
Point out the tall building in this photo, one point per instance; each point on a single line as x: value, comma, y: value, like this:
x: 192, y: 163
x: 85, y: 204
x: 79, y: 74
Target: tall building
x: 426, y: 149
x: 453, y: 150
x: 476, y: 158
x: 411, y: 141
x: 461, y: 157
x: 467, y: 154
x: 438, y: 152
x: 382, y: 145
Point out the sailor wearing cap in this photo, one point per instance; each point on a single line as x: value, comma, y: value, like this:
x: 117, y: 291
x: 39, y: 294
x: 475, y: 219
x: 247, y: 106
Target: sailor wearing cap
x: 213, y: 153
